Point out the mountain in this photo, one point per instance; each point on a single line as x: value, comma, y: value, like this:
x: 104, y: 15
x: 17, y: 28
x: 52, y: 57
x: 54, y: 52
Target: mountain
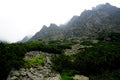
x: 89, y: 23
x: 49, y: 32
x: 26, y: 38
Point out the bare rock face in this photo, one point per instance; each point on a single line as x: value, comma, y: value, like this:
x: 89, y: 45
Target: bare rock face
x: 36, y: 72
x: 89, y: 23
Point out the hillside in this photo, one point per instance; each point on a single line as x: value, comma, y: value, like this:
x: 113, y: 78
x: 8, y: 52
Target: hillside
x: 68, y: 52
x: 67, y: 59
x: 90, y: 22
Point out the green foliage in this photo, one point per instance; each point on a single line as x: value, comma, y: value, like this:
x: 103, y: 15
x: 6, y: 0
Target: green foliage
x: 108, y: 36
x: 102, y: 56
x: 115, y: 75
x: 65, y: 75
x: 37, y: 60
x: 61, y: 44
x: 69, y: 72
x: 93, y: 61
x: 11, y: 55
x: 50, y: 48
x: 60, y: 62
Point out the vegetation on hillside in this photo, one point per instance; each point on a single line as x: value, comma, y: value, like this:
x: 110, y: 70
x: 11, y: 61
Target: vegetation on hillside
x: 99, y: 62
x: 35, y: 61
x: 12, y: 55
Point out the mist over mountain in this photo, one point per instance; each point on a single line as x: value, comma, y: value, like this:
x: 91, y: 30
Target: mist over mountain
x: 89, y: 23
x: 26, y: 38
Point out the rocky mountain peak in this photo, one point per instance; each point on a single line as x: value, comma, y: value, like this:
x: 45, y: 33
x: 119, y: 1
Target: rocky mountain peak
x: 52, y: 25
x: 106, y: 6
x: 44, y: 28
x: 90, y: 22
x: 26, y: 38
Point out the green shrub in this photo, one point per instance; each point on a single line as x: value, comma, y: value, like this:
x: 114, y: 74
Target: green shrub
x: 60, y: 62
x: 11, y: 56
x: 36, y: 60
x: 65, y: 77
x: 108, y: 36
x: 37, y: 45
x: 96, y: 60
x: 114, y: 75
x: 67, y: 74
x: 99, y: 58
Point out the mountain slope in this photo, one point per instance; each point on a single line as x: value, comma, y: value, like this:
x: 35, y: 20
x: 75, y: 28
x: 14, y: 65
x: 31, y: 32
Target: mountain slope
x: 26, y: 38
x: 90, y: 22
x: 48, y: 32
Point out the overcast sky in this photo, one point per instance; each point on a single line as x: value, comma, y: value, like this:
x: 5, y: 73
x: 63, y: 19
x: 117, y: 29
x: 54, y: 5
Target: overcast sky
x: 19, y: 18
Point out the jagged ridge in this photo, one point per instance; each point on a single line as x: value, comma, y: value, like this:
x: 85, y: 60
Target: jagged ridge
x: 90, y: 22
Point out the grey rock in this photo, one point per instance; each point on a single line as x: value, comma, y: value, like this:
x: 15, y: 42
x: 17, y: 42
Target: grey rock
x: 34, y: 73
x: 13, y: 78
x: 80, y: 77
x: 23, y: 73
x: 87, y: 24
